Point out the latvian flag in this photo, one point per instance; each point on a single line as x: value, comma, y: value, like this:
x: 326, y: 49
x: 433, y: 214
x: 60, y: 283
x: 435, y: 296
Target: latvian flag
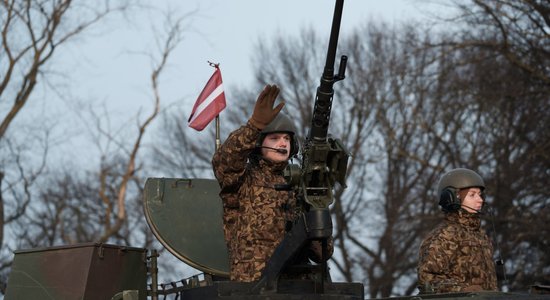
x: 210, y: 103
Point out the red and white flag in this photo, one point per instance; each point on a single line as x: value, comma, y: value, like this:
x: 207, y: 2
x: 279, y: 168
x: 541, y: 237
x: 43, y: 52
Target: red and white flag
x: 210, y: 103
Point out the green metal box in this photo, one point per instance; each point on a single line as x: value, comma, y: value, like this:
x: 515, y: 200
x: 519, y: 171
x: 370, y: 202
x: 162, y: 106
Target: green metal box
x: 89, y: 271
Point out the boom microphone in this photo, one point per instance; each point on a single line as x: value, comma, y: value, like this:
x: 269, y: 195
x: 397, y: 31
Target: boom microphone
x: 479, y: 211
x: 483, y: 211
x: 282, y: 151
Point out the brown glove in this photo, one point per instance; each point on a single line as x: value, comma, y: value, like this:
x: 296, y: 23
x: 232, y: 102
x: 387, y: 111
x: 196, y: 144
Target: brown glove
x: 264, y: 112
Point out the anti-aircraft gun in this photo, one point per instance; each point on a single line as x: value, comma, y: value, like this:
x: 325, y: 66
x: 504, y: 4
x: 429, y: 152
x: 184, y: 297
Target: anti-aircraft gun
x: 324, y: 163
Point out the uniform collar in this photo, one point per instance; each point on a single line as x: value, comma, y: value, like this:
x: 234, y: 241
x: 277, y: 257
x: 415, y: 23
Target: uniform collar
x: 464, y: 218
x: 273, y: 166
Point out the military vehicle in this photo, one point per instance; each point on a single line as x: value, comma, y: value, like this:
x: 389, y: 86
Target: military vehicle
x: 185, y: 215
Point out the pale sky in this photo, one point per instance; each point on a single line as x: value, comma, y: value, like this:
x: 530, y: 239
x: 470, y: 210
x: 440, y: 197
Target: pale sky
x: 107, y: 66
x: 109, y: 69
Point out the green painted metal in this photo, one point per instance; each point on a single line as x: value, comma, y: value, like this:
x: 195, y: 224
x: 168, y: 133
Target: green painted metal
x: 186, y: 217
x: 88, y: 271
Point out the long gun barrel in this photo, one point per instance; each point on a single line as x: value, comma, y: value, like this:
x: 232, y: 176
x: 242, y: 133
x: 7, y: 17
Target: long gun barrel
x: 324, y: 159
x: 325, y: 91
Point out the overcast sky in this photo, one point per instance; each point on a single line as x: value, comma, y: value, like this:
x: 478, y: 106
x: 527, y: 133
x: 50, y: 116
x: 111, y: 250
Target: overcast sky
x: 108, y: 67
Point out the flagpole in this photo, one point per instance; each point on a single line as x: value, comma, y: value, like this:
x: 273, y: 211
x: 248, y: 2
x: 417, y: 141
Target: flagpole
x: 209, y: 104
x: 218, y: 142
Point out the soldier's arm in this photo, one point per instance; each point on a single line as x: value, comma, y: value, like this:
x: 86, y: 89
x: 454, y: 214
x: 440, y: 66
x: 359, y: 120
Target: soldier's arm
x: 230, y: 160
x: 433, y: 264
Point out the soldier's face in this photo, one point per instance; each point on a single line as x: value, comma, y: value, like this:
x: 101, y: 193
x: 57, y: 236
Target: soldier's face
x: 277, y: 141
x: 472, y: 201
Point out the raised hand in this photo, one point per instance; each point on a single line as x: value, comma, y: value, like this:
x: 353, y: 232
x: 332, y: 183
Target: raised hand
x: 264, y: 112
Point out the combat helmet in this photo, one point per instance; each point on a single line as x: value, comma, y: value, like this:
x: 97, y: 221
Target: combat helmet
x: 453, y: 181
x: 281, y: 123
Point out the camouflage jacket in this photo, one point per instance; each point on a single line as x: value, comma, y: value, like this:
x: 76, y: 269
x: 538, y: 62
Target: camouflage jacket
x: 457, y: 256
x: 255, y: 212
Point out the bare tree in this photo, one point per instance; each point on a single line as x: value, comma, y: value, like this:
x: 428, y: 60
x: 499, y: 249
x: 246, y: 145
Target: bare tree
x: 103, y: 205
x: 515, y: 29
x: 32, y: 32
x: 22, y: 164
x: 116, y: 178
x: 178, y: 152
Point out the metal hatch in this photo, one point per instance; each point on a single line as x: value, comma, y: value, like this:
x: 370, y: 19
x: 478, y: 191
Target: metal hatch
x: 186, y: 217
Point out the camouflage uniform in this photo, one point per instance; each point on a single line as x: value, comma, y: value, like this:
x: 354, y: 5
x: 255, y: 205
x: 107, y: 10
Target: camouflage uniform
x: 457, y: 256
x: 255, y: 213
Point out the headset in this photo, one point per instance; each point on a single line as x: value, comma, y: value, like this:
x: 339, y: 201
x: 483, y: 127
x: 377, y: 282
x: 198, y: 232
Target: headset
x: 449, y: 200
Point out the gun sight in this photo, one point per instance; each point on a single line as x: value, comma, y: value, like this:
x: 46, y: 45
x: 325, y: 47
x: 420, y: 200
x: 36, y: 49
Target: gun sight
x: 342, y: 70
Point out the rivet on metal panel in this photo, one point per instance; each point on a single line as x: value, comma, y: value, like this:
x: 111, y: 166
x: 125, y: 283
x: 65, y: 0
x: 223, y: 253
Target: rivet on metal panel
x: 189, y: 183
x: 122, y: 250
x: 160, y: 190
x: 100, y: 250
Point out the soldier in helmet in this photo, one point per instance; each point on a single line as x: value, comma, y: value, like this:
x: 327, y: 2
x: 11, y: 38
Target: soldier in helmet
x: 457, y: 256
x: 249, y: 167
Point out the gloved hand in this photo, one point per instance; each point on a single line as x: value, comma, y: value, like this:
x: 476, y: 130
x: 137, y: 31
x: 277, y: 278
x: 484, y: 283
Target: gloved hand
x: 264, y: 112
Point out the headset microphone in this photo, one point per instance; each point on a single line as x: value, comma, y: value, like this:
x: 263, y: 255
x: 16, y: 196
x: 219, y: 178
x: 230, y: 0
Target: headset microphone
x: 282, y: 151
x: 479, y: 211
x: 483, y: 211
